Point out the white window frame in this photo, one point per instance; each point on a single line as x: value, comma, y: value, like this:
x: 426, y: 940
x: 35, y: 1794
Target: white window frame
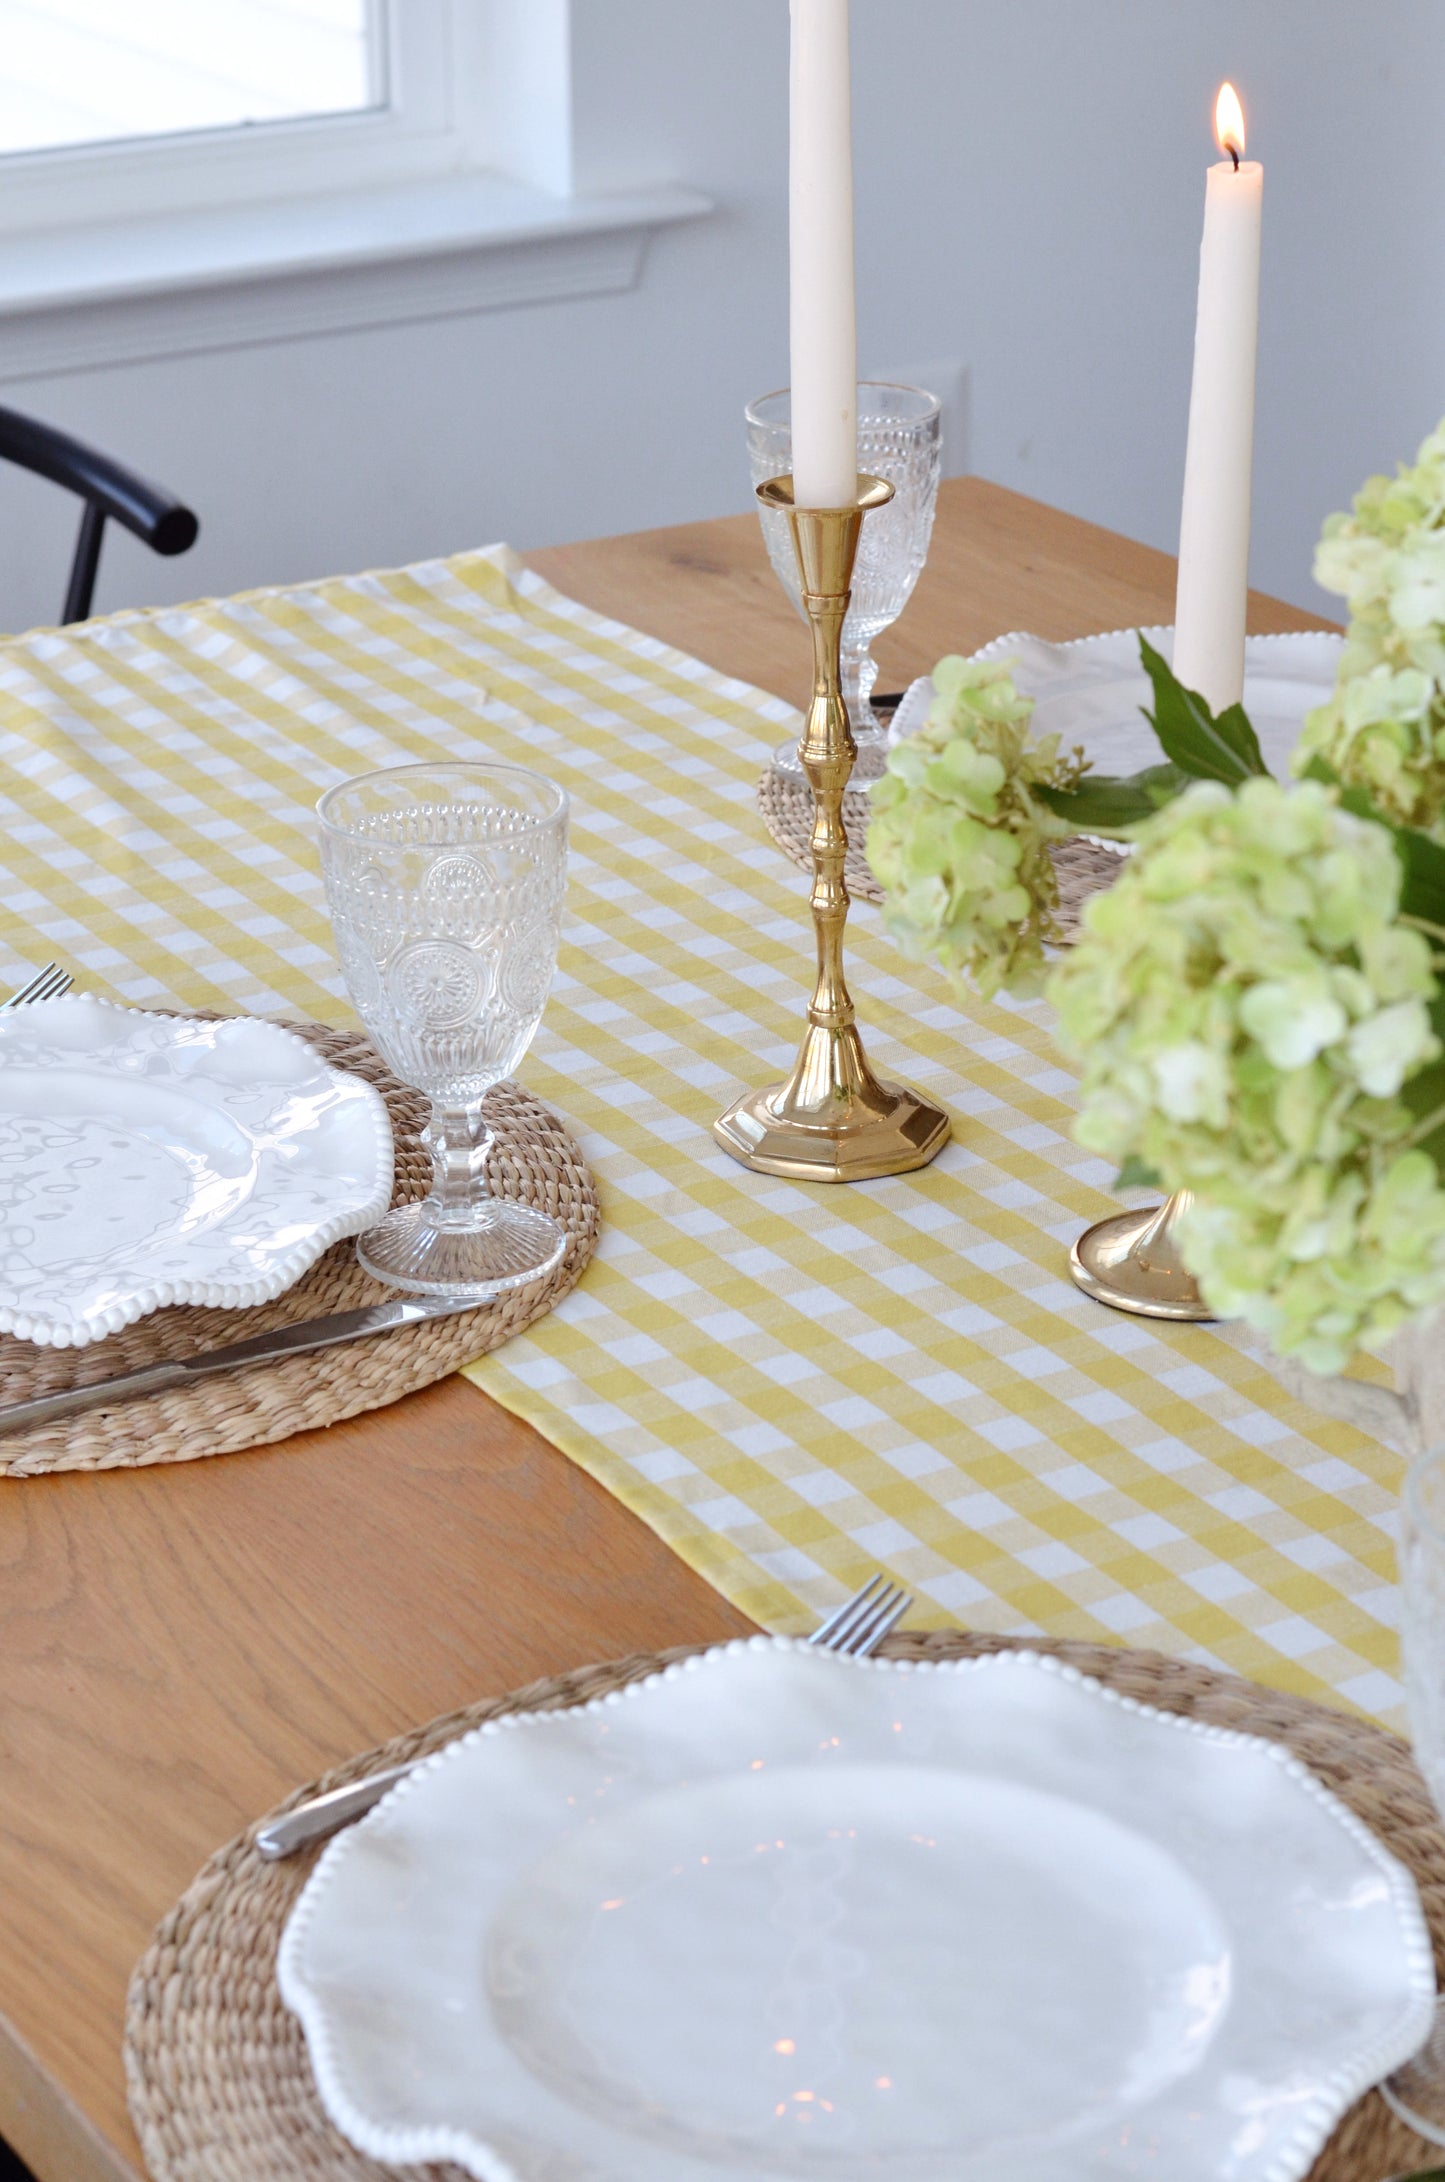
x: 459, y: 196
x: 442, y: 114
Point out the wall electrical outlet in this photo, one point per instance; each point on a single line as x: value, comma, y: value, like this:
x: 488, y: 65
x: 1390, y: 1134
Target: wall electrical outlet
x: 949, y: 380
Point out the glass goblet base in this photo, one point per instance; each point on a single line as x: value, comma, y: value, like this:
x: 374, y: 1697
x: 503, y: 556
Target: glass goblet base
x: 506, y: 1246
x: 1417, y: 2091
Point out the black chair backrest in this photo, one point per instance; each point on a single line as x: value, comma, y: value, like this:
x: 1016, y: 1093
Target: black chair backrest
x: 107, y: 488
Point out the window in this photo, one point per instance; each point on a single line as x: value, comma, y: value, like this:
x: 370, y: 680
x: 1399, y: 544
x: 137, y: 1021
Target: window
x: 89, y: 72
x: 129, y: 109
x: 181, y: 175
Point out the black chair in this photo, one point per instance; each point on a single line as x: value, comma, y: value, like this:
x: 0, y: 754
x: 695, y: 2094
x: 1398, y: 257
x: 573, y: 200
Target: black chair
x: 166, y: 525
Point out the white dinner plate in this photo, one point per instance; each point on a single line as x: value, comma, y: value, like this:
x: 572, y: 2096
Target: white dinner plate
x: 152, y: 1159
x: 777, y: 1913
x: 1090, y: 691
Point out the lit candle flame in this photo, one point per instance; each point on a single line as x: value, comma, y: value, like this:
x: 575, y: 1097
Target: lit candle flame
x: 1229, y: 122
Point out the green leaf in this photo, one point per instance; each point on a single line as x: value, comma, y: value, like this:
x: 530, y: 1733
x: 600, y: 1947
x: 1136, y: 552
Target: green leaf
x: 1137, y: 1174
x: 1422, y: 860
x: 1205, y: 746
x: 1104, y: 803
x: 1353, y: 800
x: 1424, y: 1097
x: 1422, y: 863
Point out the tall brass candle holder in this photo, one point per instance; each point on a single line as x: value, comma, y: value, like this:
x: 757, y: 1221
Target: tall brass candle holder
x: 832, y: 1121
x: 1132, y: 1262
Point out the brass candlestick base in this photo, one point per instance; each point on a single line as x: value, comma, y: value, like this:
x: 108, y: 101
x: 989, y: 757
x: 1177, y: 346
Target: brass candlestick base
x: 832, y: 1121
x: 1132, y: 1263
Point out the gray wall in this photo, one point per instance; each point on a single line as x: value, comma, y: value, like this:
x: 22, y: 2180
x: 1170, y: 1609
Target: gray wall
x: 1030, y: 189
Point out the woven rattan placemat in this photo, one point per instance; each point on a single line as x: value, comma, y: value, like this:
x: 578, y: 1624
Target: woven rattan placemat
x: 1083, y: 867
x: 220, y: 2087
x: 533, y: 1159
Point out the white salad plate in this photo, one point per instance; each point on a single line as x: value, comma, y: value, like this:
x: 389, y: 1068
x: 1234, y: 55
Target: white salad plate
x: 1091, y: 691
x: 150, y: 1159
x: 777, y: 1913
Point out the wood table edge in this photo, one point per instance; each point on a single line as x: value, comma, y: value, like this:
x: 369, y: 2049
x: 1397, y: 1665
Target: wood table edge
x: 47, y: 2128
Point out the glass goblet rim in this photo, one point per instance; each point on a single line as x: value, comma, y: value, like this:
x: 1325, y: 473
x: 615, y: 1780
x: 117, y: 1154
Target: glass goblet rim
x: 1419, y: 1480
x: 477, y: 770
x: 931, y: 404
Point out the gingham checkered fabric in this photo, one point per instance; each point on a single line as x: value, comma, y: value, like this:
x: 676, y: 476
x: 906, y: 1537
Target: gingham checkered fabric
x: 793, y: 1384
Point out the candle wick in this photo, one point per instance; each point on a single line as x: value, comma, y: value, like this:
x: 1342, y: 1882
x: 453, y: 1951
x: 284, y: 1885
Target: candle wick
x: 1234, y: 155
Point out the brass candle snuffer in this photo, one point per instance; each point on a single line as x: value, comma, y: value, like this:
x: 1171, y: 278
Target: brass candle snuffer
x: 1132, y: 1262
x: 832, y: 1120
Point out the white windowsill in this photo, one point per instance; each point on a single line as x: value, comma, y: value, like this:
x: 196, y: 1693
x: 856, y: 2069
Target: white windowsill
x: 73, y: 298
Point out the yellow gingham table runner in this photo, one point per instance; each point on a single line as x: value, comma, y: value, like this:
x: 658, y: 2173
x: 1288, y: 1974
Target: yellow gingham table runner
x: 793, y: 1384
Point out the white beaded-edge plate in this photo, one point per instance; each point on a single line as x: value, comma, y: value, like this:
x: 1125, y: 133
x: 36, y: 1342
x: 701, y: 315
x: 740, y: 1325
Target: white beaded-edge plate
x: 777, y: 1913
x: 1090, y: 691
x: 147, y: 1160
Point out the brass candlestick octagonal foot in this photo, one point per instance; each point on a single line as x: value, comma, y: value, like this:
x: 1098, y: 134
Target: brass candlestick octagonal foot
x: 1132, y: 1263
x: 832, y: 1123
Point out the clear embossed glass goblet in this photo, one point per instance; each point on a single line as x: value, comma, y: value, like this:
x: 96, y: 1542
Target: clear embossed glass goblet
x: 445, y: 884
x: 900, y: 437
x: 1417, y: 2091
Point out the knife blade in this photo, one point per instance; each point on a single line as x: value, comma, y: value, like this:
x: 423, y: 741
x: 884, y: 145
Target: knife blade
x: 262, y: 1348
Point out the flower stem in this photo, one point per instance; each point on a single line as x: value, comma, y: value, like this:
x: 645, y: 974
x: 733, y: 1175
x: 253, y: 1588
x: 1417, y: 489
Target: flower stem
x: 1421, y: 924
x: 1423, y: 1129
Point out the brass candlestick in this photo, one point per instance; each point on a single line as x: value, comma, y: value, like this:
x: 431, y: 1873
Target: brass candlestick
x: 832, y: 1121
x: 1132, y: 1262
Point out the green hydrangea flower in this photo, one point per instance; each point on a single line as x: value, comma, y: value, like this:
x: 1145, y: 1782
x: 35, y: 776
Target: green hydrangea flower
x: 1384, y: 728
x: 959, y: 842
x: 1248, y: 1011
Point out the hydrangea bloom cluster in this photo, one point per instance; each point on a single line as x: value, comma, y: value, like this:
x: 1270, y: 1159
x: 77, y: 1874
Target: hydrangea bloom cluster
x: 1247, y: 1010
x: 1384, y: 728
x: 959, y: 841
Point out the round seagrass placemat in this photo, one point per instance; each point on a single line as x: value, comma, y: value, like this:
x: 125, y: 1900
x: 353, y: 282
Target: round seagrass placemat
x: 533, y: 1159
x: 786, y: 802
x: 220, y: 2087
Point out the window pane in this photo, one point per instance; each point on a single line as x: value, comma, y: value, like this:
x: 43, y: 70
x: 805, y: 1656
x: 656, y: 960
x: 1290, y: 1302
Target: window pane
x: 92, y: 71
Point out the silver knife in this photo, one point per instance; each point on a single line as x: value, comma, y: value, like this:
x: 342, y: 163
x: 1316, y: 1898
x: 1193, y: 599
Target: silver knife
x: 323, y: 1815
x: 262, y: 1348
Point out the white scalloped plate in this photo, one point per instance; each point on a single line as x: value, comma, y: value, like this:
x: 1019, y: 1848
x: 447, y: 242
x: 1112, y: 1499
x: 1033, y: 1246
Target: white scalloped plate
x: 776, y: 1913
x: 151, y: 1159
x: 1090, y: 691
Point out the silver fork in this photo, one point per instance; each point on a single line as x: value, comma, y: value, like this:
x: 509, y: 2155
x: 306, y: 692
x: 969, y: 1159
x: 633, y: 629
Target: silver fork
x: 47, y: 984
x: 857, y: 1628
x: 860, y: 1626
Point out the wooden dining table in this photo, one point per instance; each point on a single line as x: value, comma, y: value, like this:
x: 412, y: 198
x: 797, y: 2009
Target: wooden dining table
x: 181, y: 1645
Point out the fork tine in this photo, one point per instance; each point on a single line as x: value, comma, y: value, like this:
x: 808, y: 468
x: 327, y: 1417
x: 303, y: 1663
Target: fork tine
x: 22, y: 993
x: 885, y: 1628
x: 46, y: 984
x: 856, y: 1615
x: 870, y: 1630
x: 830, y: 1631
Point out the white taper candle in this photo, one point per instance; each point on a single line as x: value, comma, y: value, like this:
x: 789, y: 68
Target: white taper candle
x: 824, y: 322
x: 1209, y: 616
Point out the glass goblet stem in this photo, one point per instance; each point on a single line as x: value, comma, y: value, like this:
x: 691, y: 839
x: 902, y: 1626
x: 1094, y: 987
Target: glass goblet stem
x: 859, y: 674
x: 459, y: 1140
